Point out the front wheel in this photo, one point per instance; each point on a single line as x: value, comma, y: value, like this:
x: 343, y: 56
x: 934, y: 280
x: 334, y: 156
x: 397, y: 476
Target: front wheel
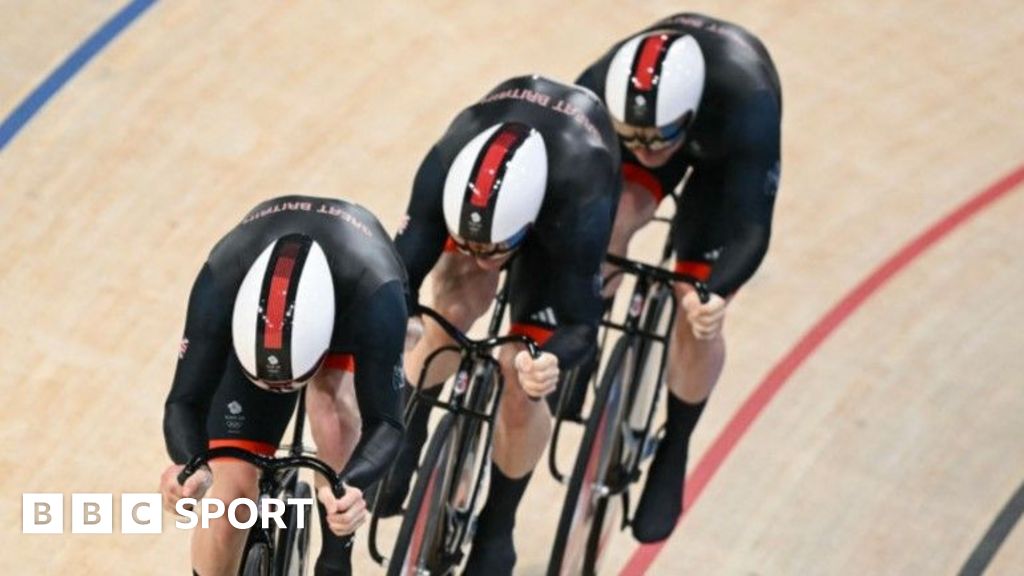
x: 591, y: 499
x: 419, y: 548
x: 293, y: 543
x: 257, y: 560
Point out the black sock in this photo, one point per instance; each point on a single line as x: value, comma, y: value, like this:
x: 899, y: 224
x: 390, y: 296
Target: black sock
x: 662, y: 500
x: 335, y: 557
x: 682, y: 418
x: 503, y: 496
x: 493, y: 552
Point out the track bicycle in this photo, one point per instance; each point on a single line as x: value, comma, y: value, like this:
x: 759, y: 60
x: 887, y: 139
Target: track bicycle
x: 618, y: 436
x: 439, y: 521
x: 272, y: 550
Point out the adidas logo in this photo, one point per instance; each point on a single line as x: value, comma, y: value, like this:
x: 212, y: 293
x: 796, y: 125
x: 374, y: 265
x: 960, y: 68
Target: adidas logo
x: 545, y: 316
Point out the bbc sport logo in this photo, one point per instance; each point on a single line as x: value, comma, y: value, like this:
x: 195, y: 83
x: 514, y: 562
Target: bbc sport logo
x: 142, y: 513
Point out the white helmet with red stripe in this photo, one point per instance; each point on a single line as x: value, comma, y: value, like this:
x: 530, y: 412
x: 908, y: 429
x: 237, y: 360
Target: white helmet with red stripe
x: 496, y: 185
x: 284, y: 314
x: 655, y: 80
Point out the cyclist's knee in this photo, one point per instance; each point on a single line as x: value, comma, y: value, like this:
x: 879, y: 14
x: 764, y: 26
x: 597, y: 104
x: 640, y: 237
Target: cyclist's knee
x: 507, y: 362
x: 636, y: 208
x: 682, y: 289
x: 462, y: 312
x: 611, y: 275
x: 462, y: 305
x: 507, y: 356
x: 233, y: 480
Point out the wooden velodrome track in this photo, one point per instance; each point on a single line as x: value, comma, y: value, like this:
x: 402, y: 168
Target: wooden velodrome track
x: 884, y: 428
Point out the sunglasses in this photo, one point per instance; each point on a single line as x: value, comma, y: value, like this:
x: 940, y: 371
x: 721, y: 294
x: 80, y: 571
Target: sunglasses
x: 652, y: 138
x: 493, y: 251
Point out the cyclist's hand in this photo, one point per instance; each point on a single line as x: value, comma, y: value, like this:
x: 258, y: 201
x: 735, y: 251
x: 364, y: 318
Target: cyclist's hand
x: 538, y: 376
x: 345, y: 514
x: 413, y: 332
x: 705, y: 319
x: 195, y: 487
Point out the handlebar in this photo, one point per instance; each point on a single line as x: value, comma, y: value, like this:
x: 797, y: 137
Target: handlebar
x: 265, y: 463
x: 481, y: 346
x: 660, y: 274
x: 477, y: 346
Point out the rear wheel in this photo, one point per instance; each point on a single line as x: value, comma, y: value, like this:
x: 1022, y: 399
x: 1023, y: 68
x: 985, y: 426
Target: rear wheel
x: 591, y: 500
x: 419, y: 548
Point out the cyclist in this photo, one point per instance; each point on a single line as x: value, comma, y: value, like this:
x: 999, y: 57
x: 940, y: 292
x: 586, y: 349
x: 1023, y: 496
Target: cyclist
x: 693, y: 94
x: 303, y: 290
x: 525, y: 178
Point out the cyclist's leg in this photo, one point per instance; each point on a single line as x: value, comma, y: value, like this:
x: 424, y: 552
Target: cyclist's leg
x: 521, y: 433
x: 637, y: 206
x: 693, y: 365
x: 524, y: 425
x: 335, y: 425
x: 218, y: 549
x: 522, y: 429
x: 245, y: 416
x: 462, y: 293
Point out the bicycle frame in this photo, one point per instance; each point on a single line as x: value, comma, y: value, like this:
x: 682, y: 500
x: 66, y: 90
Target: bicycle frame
x: 648, y: 277
x: 648, y: 280
x: 476, y: 364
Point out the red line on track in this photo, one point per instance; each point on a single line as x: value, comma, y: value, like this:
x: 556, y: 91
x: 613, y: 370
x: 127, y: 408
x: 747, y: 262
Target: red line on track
x: 754, y: 405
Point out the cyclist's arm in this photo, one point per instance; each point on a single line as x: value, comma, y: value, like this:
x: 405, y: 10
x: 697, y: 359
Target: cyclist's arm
x: 421, y: 239
x: 575, y: 279
x: 749, y: 188
x: 378, y: 380
x: 204, y: 352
